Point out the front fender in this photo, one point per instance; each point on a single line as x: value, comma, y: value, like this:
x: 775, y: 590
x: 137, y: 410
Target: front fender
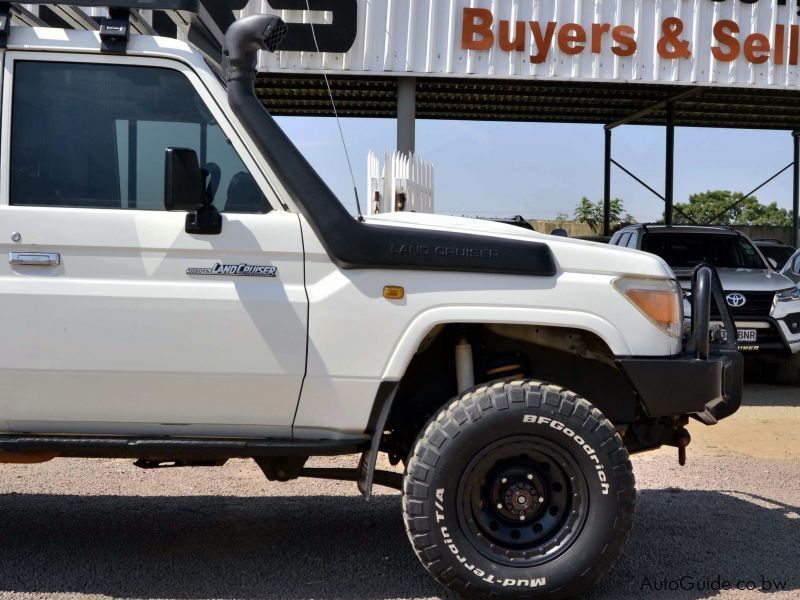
x: 419, y: 327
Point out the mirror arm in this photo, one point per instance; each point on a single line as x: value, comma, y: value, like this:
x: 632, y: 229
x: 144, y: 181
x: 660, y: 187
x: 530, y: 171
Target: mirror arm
x: 206, y: 220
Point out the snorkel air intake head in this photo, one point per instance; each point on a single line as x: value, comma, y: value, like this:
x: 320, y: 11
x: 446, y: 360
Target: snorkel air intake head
x: 245, y: 38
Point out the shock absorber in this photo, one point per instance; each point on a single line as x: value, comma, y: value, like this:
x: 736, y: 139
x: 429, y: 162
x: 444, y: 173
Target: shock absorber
x: 465, y: 368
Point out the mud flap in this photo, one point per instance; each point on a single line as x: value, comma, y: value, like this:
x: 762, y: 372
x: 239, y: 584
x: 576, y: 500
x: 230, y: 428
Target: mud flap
x: 380, y: 414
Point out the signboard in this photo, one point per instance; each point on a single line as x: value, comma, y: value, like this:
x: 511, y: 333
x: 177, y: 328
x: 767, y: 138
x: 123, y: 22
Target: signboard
x: 728, y: 42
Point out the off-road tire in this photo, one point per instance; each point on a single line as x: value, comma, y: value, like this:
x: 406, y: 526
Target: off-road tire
x: 445, y: 523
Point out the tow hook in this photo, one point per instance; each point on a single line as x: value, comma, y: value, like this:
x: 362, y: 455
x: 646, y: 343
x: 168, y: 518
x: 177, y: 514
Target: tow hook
x: 682, y: 439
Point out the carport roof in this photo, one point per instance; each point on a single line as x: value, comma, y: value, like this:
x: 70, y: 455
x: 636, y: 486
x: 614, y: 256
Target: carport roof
x: 535, y: 101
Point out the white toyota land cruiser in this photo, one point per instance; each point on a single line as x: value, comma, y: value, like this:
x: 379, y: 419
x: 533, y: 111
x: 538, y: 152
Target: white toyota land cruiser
x: 182, y: 289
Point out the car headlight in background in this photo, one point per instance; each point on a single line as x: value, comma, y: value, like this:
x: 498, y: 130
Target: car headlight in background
x: 660, y: 300
x: 788, y: 295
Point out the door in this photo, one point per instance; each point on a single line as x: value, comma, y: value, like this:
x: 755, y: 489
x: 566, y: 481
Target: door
x: 113, y: 318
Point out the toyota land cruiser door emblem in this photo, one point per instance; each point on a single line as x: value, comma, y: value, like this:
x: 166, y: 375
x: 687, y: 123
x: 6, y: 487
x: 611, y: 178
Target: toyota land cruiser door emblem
x: 736, y: 300
x: 242, y: 270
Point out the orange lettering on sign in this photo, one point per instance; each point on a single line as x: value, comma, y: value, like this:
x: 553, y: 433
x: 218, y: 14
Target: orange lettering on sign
x: 506, y: 43
x: 671, y: 45
x: 477, y: 24
x: 480, y: 31
x: 756, y: 48
x: 598, y: 29
x: 569, y: 36
x: 723, y: 33
x: 542, y: 40
x: 623, y: 35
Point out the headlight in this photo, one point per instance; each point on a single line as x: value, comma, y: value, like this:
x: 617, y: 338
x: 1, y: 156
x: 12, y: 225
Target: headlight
x: 660, y: 300
x: 788, y: 295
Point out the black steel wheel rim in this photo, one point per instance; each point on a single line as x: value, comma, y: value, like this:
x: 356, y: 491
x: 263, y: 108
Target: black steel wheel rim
x: 522, y: 501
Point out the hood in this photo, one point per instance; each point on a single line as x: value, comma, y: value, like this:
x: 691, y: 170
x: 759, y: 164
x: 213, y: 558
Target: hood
x: 743, y: 280
x: 570, y: 254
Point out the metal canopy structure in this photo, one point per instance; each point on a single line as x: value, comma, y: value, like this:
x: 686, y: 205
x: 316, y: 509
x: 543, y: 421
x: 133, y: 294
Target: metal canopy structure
x: 533, y: 101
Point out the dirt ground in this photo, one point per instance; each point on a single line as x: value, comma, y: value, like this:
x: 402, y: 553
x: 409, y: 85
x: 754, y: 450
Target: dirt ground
x: 766, y: 426
x: 75, y: 529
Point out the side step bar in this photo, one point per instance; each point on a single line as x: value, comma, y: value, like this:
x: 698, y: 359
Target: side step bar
x: 175, y: 448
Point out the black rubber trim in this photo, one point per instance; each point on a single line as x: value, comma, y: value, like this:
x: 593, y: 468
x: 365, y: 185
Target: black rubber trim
x: 352, y: 244
x: 695, y: 386
x: 377, y: 421
x: 170, y: 448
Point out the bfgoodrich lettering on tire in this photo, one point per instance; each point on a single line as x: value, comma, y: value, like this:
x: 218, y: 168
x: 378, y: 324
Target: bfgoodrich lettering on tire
x: 518, y: 489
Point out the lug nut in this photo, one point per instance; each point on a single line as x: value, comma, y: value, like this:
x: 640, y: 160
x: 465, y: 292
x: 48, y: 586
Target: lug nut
x: 541, y: 500
x: 500, y: 506
x: 504, y: 480
x: 522, y: 517
x: 530, y: 477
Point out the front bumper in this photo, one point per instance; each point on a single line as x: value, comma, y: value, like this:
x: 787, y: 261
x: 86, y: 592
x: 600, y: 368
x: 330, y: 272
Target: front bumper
x: 705, y: 380
x: 709, y: 389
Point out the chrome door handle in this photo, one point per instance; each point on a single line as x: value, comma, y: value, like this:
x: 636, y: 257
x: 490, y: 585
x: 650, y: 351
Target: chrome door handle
x: 35, y: 259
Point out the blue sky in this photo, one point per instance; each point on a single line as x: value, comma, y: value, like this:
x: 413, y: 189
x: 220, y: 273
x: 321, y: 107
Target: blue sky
x: 538, y: 170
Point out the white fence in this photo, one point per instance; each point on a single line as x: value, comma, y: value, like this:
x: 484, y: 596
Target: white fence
x: 403, y: 183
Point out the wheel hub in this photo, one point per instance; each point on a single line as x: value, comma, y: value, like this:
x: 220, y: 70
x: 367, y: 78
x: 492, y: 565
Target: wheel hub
x: 523, y: 501
x: 519, y: 494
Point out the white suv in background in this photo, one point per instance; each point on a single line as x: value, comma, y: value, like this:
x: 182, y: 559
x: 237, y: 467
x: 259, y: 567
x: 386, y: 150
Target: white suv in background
x: 764, y: 303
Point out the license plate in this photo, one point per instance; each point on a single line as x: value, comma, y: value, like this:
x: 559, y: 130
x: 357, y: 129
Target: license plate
x: 744, y: 335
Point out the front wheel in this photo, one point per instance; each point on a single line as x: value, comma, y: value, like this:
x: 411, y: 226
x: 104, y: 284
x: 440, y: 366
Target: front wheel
x: 518, y: 489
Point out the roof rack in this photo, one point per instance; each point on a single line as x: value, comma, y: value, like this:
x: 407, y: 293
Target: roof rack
x: 123, y: 16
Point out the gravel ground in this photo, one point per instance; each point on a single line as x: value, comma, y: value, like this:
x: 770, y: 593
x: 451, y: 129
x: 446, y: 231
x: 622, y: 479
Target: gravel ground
x: 102, y: 528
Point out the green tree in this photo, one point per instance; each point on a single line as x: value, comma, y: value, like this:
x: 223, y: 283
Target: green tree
x: 591, y: 213
x: 713, y: 208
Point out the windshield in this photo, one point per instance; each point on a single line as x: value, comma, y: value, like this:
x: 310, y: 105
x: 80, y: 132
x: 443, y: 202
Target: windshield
x: 692, y: 249
x: 780, y: 254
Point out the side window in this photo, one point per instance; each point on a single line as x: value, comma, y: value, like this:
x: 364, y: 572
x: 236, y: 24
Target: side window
x: 614, y: 241
x: 95, y: 136
x: 633, y: 240
x: 797, y: 265
x: 749, y: 254
x: 623, y: 240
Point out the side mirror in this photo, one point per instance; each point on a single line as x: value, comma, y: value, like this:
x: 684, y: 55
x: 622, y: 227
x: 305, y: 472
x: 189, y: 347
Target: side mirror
x: 185, y: 189
x: 183, y: 182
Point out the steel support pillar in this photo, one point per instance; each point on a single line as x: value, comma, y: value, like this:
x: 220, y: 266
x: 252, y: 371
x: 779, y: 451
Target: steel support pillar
x: 406, y: 114
x: 669, y: 175
x: 607, y: 185
x: 796, y: 190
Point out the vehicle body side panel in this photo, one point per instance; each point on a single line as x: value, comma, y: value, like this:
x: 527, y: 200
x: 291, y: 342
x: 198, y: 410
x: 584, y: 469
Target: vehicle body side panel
x: 347, y: 310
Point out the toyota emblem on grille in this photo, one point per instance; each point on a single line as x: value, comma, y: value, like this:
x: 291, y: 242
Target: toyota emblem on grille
x: 736, y: 300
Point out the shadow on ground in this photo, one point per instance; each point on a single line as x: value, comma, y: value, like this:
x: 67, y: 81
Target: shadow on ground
x: 762, y: 394
x: 340, y: 547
